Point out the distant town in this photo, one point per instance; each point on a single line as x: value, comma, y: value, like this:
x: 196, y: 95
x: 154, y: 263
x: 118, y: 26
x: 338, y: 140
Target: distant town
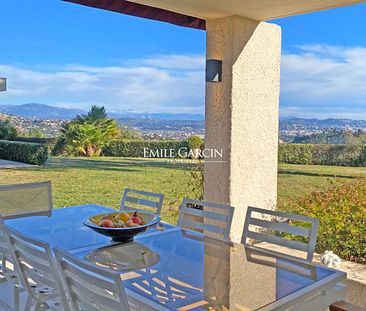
x: 49, y: 120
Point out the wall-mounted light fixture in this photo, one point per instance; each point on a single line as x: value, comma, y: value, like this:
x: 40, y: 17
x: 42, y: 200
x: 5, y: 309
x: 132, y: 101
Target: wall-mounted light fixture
x: 2, y: 84
x: 213, y: 70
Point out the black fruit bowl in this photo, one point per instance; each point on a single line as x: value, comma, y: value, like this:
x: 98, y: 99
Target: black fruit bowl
x: 122, y: 234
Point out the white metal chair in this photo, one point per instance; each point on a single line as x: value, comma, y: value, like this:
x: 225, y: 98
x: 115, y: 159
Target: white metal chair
x: 7, y: 269
x: 262, y: 225
x: 91, y: 287
x: 22, y: 200
x: 137, y: 199
x: 8, y: 272
x: 211, y: 219
x: 37, y: 271
x: 16, y: 201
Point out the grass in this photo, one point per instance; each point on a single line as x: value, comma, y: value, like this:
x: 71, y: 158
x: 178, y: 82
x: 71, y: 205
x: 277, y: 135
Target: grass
x: 295, y: 181
x: 101, y: 180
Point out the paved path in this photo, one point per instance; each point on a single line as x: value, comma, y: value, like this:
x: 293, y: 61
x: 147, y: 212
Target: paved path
x: 12, y: 164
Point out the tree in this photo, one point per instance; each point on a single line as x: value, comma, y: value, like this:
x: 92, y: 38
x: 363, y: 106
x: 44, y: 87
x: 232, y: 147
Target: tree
x: 37, y: 133
x: 87, y: 134
x: 7, y: 131
x: 95, y: 114
x: 129, y: 133
x: 195, y: 142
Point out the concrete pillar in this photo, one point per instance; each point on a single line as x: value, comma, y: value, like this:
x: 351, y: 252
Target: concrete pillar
x: 242, y: 115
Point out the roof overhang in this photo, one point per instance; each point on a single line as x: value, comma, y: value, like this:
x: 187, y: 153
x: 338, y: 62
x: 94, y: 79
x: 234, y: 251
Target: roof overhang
x: 145, y: 11
x: 193, y: 13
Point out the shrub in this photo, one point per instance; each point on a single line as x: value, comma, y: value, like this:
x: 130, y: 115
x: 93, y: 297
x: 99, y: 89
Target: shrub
x: 30, y: 153
x: 340, y: 155
x: 59, y: 147
x: 341, y: 211
x: 135, y: 148
x: 195, y: 142
x: 7, y: 131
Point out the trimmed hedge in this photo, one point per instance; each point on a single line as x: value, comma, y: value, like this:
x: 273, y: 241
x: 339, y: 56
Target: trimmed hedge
x: 338, y: 155
x: 37, y: 140
x: 49, y: 142
x: 30, y: 153
x: 135, y: 148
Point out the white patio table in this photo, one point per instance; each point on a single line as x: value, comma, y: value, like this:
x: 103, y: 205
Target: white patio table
x: 173, y: 269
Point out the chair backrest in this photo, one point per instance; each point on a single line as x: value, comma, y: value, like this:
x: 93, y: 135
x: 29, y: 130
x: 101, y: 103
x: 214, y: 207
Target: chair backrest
x: 7, y: 268
x: 211, y: 219
x: 89, y: 286
x: 23, y: 200
x: 273, y: 227
x: 36, y: 266
x: 137, y: 199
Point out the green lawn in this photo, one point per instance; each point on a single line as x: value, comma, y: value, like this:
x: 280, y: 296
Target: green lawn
x: 101, y: 180
x: 297, y: 180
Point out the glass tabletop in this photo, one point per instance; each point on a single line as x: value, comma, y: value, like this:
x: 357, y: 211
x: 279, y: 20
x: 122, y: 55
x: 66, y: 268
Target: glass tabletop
x: 182, y: 270
x: 65, y: 228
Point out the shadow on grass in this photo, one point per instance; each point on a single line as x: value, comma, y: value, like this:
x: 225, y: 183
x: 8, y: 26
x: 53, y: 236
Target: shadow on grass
x: 289, y: 172
x: 117, y: 164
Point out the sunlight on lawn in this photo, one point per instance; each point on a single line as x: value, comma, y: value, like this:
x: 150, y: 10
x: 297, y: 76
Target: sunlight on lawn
x: 101, y: 180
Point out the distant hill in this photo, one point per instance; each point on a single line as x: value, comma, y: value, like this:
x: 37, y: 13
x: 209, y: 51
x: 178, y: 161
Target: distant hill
x: 41, y: 111
x: 50, y: 128
x: 302, y: 123
x: 300, y: 129
x: 152, y: 124
x: 158, y: 116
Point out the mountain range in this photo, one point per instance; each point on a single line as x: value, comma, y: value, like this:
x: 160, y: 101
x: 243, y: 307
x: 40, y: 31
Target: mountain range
x: 42, y: 112
x: 290, y: 127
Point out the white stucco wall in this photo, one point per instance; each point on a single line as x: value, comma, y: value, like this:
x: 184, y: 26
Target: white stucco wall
x: 242, y: 115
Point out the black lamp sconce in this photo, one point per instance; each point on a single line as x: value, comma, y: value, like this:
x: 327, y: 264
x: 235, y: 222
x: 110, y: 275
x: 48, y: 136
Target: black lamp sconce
x: 213, y: 70
x: 2, y: 84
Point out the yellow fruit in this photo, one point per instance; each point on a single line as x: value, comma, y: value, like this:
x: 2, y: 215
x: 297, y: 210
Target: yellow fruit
x: 96, y: 219
x: 130, y: 223
x: 123, y: 216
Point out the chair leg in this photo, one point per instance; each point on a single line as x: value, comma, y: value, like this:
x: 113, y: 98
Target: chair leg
x: 28, y: 304
x: 17, y: 291
x: 38, y: 306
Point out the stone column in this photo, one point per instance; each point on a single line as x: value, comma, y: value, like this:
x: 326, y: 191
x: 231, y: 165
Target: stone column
x: 242, y: 115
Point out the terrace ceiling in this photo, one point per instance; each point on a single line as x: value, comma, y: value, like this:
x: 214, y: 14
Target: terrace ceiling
x: 193, y: 13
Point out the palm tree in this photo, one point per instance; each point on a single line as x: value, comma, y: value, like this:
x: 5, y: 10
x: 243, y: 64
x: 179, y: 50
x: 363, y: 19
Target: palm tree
x: 95, y: 114
x: 88, y: 134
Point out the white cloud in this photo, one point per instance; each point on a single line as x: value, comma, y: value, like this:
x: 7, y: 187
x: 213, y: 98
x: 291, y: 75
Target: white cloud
x: 163, y: 84
x: 324, y: 81
x: 317, y: 81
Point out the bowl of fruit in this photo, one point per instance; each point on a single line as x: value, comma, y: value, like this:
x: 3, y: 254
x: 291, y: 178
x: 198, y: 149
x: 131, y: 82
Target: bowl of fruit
x: 122, y: 226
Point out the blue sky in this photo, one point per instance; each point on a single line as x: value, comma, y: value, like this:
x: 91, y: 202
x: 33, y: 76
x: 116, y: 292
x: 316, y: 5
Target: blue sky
x: 67, y: 55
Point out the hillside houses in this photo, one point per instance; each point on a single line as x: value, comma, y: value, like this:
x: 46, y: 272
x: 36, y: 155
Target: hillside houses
x: 51, y: 128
